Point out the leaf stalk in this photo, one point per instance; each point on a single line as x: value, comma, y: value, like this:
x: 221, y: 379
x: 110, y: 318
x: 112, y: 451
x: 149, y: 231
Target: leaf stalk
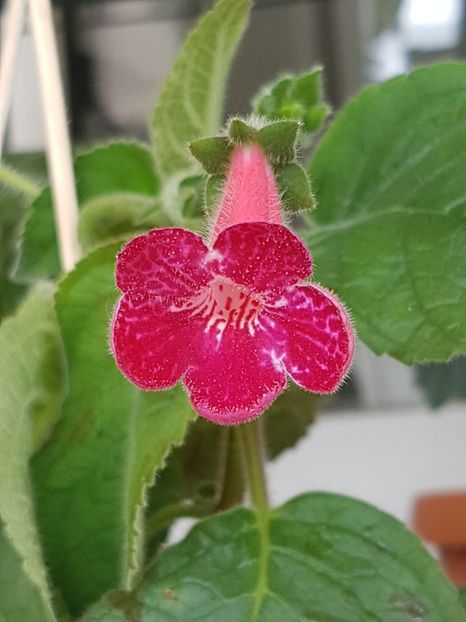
x: 18, y: 182
x: 251, y: 438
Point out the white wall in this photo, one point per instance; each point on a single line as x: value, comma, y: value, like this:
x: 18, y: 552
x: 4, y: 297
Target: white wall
x: 385, y: 458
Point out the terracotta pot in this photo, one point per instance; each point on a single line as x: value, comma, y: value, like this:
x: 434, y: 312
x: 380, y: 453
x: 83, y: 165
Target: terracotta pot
x: 441, y: 520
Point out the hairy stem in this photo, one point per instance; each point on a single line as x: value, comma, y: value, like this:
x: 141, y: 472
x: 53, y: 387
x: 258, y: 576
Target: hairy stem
x: 18, y: 182
x: 251, y: 436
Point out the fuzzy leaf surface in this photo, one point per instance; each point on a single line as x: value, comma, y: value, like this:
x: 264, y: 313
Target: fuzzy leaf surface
x: 111, y: 438
x: 118, y: 216
x: 31, y: 393
x: 191, y: 102
x: 319, y: 557
x: 14, y: 200
x: 390, y: 231
x: 13, y: 205
x: 117, y: 167
x: 20, y: 600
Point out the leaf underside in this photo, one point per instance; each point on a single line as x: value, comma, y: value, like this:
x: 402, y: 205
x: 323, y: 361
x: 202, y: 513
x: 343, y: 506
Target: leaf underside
x: 20, y: 599
x: 191, y: 102
x: 111, y: 438
x: 31, y: 392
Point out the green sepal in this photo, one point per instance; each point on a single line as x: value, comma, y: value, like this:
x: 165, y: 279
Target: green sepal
x: 278, y: 140
x: 213, y: 153
x: 295, y: 187
x: 240, y: 132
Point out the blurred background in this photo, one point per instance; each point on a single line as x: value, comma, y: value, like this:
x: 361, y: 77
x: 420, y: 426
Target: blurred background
x: 378, y: 439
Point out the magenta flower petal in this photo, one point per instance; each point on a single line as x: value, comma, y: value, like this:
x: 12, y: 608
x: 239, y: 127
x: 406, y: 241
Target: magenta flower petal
x: 317, y: 337
x: 261, y: 256
x: 151, y: 342
x: 165, y: 262
x: 234, y: 379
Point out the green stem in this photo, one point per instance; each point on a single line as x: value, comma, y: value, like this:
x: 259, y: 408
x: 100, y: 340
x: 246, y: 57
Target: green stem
x: 233, y: 484
x: 251, y: 437
x: 18, y: 182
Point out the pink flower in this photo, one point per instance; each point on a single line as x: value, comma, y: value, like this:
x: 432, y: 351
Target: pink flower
x: 231, y: 319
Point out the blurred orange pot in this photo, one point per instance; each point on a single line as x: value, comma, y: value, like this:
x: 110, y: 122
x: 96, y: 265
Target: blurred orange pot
x: 441, y: 520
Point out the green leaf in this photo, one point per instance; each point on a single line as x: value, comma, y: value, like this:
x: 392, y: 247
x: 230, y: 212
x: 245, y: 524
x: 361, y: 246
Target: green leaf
x: 104, y: 612
x: 288, y: 419
x: 278, y: 141
x: 295, y: 186
x: 30, y: 398
x: 20, y: 600
x: 16, y: 192
x: 111, y: 438
x: 295, y: 97
x: 118, y: 216
x: 462, y: 591
x: 213, y: 153
x: 241, y: 132
x: 442, y: 381
x: 190, y: 104
x: 12, y: 209
x: 319, y: 557
x: 390, y: 231
x: 118, y: 167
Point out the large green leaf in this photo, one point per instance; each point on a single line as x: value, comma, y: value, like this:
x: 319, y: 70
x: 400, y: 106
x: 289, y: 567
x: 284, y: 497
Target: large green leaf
x: 320, y: 557
x: 16, y: 192
x: 30, y: 398
x: 118, y: 167
x: 20, y: 600
x: 390, y: 233
x: 463, y: 596
x: 190, y: 104
x: 91, y: 477
x: 118, y: 216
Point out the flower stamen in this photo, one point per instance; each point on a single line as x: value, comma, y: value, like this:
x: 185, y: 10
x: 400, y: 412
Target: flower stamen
x: 223, y: 304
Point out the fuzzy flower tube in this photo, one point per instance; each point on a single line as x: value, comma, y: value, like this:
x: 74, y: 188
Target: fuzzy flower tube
x: 232, y: 319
